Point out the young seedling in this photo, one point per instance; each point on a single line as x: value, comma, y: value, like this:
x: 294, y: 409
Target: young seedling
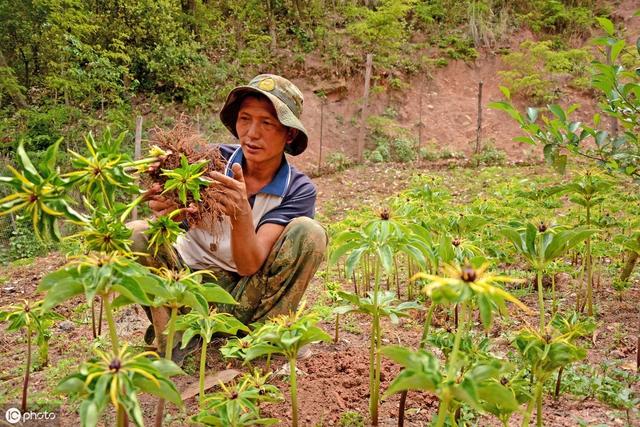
x: 196, y: 323
x: 286, y: 335
x: 32, y: 318
x: 549, y: 351
x: 380, y: 239
x: 39, y: 192
x: 540, y: 245
x: 478, y: 385
x: 186, y: 179
x: 382, y: 306
x: 183, y: 289
x: 238, y: 404
x: 103, y: 171
x: 117, y: 377
x: 587, y: 191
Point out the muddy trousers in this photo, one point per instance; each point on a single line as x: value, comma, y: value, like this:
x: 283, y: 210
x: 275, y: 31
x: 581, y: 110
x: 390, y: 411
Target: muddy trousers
x: 275, y: 289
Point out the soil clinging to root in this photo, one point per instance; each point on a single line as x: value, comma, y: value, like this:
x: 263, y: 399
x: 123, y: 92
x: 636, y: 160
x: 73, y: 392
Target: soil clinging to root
x: 181, y: 140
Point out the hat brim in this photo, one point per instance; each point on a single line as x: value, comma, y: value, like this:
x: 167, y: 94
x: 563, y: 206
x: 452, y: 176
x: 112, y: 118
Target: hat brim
x: 229, y: 115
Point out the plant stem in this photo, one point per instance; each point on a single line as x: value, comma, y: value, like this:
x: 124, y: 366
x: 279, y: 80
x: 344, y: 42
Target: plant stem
x: 539, y: 406
x: 427, y: 326
x: 401, y: 406
x: 294, y: 392
x: 589, y: 269
x: 374, y: 353
x: 452, y: 367
x: 100, y: 317
x: 121, y: 416
x: 540, y: 301
x: 442, y: 411
x: 554, y: 305
x: 115, y: 345
x: 536, y: 397
x: 423, y: 344
x: 25, y: 385
x: 203, y: 365
x: 579, y: 291
x: 558, y: 382
x: 337, y: 329
x: 168, y: 352
x: 94, y: 333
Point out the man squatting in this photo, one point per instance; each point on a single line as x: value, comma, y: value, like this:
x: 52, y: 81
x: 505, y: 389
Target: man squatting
x: 269, y: 246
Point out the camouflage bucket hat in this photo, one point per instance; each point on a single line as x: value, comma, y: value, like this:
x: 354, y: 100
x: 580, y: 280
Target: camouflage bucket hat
x: 286, y: 99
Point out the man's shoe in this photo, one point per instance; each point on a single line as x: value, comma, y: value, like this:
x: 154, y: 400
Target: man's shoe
x: 179, y: 354
x: 150, y: 335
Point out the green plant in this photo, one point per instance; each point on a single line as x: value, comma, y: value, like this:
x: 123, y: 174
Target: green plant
x: 338, y: 161
x: 186, y: 179
x: 179, y: 289
x: 116, y: 377
x: 40, y: 192
x: 238, y: 404
x: 559, y: 135
x: 23, y: 242
x: 32, y: 318
x: 104, y: 170
x: 477, y: 383
x: 489, y: 155
x: 540, y: 244
x: 548, y: 350
x: 197, y: 323
x: 538, y: 71
x: 287, y: 334
x: 380, y: 239
x: 587, y: 191
x: 352, y: 419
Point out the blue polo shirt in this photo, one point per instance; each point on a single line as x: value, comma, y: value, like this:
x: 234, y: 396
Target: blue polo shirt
x: 289, y: 195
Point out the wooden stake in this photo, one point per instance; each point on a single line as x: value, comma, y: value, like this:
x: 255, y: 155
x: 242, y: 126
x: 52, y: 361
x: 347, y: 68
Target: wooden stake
x: 321, y: 128
x: 365, y: 105
x: 420, y: 125
x: 137, y: 153
x: 479, y: 128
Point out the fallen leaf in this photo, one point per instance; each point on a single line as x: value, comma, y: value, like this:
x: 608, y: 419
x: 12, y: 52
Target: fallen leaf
x: 210, y: 380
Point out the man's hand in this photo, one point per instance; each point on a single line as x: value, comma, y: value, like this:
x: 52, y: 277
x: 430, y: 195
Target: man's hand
x: 161, y: 205
x: 231, y: 193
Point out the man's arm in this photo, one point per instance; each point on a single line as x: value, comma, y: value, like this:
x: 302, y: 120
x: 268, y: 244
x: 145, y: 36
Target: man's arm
x: 249, y: 248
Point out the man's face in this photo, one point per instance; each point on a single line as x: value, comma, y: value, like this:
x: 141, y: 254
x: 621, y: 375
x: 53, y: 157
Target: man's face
x: 262, y: 136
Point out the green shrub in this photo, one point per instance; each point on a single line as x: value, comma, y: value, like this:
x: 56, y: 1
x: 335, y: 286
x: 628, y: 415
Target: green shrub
x: 391, y: 142
x: 458, y: 47
x: 538, y: 72
x: 338, y: 161
x: 558, y: 17
x: 23, y: 242
x: 489, y: 155
x: 404, y: 150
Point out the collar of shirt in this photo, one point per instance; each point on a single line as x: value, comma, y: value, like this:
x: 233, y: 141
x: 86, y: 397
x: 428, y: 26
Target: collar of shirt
x: 280, y: 182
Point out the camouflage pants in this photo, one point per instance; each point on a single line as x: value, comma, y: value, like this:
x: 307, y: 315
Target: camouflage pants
x: 281, y: 281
